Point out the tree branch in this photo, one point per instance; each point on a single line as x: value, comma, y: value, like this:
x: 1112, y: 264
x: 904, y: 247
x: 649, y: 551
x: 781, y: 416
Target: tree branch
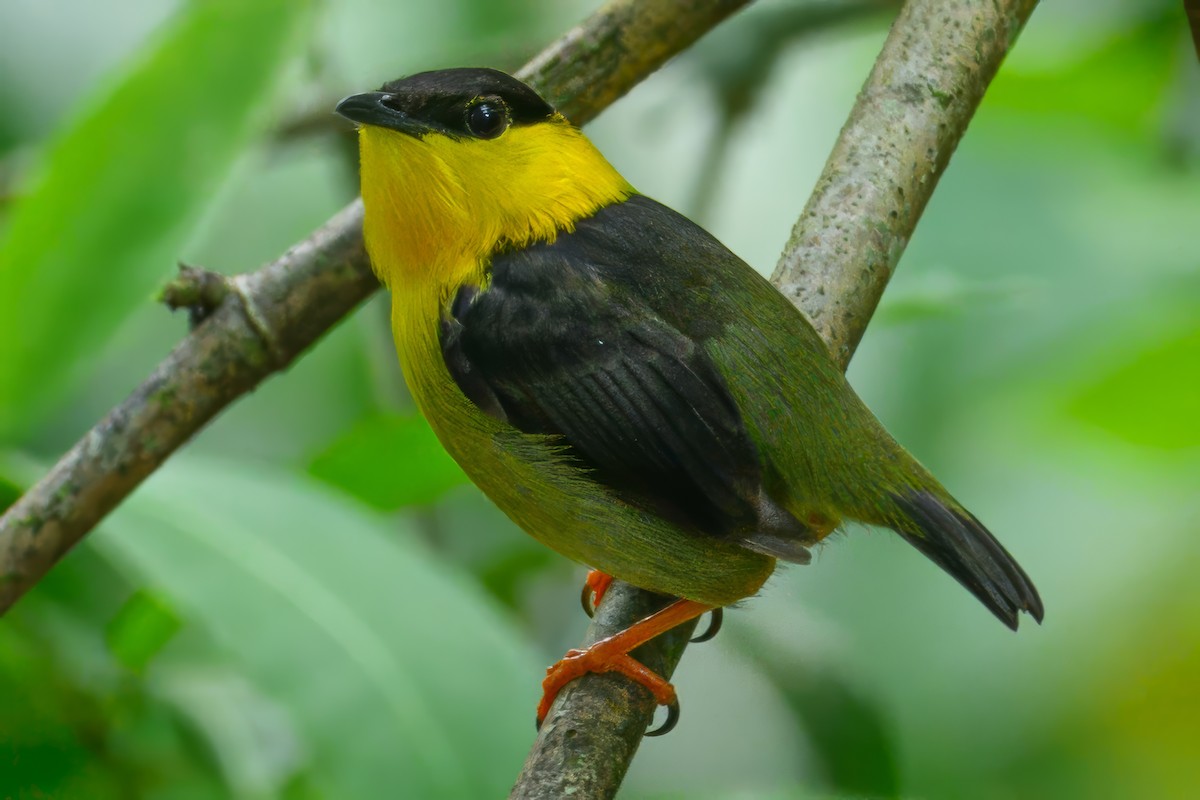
x: 273, y: 315
x: 914, y: 107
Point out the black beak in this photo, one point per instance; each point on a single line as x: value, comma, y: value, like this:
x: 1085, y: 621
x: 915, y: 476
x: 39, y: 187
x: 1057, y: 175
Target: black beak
x: 371, y: 108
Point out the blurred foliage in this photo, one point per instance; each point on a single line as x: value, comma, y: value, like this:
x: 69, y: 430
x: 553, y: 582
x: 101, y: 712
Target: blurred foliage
x: 150, y: 150
x: 325, y: 604
x: 141, y: 629
x: 311, y: 602
x: 1164, y: 381
x: 363, y: 463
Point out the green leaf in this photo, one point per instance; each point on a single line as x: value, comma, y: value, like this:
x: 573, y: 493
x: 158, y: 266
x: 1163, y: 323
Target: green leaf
x: 389, y: 462
x: 122, y: 187
x: 1152, y: 400
x: 9, y: 493
x: 42, y: 749
x: 1119, y: 85
x: 396, y: 671
x: 850, y: 735
x: 141, y: 628
x: 943, y: 294
x: 250, y: 738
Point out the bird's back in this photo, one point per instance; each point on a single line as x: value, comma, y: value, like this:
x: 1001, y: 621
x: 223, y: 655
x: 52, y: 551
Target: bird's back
x: 823, y: 449
x: 825, y: 458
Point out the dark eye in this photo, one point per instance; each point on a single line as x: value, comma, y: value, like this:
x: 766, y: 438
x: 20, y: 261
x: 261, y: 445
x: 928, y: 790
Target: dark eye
x: 487, y: 119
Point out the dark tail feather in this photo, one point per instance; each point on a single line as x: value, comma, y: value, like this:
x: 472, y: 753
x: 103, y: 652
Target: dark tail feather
x: 956, y: 541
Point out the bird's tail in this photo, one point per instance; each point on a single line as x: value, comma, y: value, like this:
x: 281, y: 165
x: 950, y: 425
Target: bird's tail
x: 954, y: 540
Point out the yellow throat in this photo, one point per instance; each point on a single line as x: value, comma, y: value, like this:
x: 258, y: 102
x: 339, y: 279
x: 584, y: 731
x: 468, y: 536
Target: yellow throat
x: 437, y: 207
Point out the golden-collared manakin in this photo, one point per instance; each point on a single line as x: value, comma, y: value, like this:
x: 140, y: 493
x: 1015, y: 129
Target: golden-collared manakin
x: 625, y: 388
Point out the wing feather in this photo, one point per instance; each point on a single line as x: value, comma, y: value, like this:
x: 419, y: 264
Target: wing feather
x: 552, y: 347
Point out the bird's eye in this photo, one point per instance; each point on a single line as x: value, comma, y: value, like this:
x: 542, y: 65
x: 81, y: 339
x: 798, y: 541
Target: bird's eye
x: 487, y: 119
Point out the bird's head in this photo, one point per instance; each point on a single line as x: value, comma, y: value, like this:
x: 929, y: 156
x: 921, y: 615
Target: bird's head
x: 458, y: 163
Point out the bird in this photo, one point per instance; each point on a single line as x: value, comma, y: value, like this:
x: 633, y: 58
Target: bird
x: 619, y: 383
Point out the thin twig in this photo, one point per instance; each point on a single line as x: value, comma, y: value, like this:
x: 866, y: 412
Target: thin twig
x: 915, y: 106
x: 276, y: 313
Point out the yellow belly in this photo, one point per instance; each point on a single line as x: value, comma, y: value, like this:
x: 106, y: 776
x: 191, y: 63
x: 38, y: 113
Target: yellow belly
x: 555, y: 501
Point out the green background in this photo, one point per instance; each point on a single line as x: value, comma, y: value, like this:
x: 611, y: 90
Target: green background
x: 309, y: 601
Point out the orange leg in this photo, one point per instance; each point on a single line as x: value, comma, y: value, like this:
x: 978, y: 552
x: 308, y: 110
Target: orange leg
x: 594, y: 587
x: 612, y: 655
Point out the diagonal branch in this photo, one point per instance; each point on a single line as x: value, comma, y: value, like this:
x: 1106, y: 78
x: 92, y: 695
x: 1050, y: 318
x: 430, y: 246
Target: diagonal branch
x: 271, y: 316
x: 928, y: 81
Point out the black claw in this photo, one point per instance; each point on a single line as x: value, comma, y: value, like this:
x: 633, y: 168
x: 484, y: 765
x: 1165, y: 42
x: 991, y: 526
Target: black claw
x: 671, y: 722
x: 585, y: 599
x: 716, y: 617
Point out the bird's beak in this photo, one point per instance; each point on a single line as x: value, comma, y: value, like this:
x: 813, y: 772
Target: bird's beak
x: 371, y: 108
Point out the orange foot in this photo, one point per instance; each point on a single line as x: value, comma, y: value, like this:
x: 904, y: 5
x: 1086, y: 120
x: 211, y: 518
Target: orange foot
x: 612, y: 655
x: 594, y: 587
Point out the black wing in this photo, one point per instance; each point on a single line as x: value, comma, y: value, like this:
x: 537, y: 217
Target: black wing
x: 552, y: 347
